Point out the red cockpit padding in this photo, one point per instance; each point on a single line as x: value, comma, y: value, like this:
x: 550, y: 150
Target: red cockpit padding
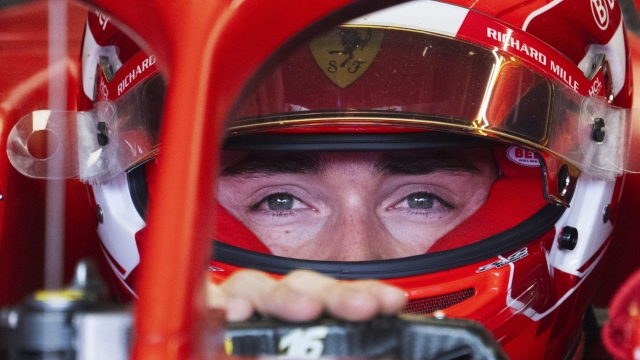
x: 510, y: 202
x: 513, y: 198
x: 230, y: 230
x: 621, y: 332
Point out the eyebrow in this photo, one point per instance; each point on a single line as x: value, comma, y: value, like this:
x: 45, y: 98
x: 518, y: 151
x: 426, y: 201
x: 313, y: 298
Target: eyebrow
x: 390, y: 163
x: 422, y: 163
x: 272, y: 163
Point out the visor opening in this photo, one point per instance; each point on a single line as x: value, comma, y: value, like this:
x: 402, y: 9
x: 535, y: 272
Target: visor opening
x: 42, y: 144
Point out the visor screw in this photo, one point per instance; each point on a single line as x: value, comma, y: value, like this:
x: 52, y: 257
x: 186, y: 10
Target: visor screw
x: 568, y: 238
x: 563, y: 180
x: 103, y: 139
x: 99, y: 214
x: 605, y: 214
x: 597, y: 134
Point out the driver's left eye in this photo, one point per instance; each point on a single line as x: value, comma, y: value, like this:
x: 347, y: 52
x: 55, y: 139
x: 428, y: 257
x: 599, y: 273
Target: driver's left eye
x: 280, y: 202
x: 421, y: 200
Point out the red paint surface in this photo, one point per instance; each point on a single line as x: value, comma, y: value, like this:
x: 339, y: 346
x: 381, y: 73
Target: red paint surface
x: 24, y: 88
x: 180, y: 229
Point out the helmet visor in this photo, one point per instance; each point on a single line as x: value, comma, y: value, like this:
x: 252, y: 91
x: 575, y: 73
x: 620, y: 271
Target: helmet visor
x: 374, y: 76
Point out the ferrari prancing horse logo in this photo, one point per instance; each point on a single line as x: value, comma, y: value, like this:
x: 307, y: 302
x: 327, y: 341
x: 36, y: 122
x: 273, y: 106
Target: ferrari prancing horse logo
x: 346, y: 53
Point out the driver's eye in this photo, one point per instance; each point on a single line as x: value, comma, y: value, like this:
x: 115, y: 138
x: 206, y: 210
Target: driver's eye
x: 280, y: 202
x: 421, y: 200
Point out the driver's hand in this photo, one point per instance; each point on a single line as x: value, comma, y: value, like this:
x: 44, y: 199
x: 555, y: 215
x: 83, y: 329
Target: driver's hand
x: 303, y: 296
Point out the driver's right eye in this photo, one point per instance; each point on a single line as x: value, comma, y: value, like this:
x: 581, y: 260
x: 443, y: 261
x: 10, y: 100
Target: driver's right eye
x: 280, y: 202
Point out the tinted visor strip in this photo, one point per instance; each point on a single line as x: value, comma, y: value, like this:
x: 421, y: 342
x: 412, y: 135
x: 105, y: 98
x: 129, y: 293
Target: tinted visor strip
x: 352, y: 142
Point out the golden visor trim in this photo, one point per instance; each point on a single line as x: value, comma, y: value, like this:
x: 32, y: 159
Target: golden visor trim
x: 602, y: 160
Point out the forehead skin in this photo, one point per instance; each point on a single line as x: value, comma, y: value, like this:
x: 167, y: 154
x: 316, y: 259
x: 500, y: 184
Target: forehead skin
x: 352, y: 199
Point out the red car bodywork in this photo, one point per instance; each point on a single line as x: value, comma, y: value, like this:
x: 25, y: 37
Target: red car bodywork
x: 229, y: 40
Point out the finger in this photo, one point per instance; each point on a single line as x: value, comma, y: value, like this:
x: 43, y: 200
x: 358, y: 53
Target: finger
x: 391, y: 300
x: 304, y: 295
x: 216, y: 299
x: 298, y: 296
x: 270, y: 297
x: 355, y: 301
x: 308, y: 282
x: 236, y: 308
x: 248, y: 284
x: 289, y: 304
x: 243, y: 293
x: 351, y: 302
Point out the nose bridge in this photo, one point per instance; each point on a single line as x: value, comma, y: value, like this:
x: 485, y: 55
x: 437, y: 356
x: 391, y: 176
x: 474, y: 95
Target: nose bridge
x: 359, y: 234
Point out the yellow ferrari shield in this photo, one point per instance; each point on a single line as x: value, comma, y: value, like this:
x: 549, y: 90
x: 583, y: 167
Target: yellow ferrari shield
x: 345, y: 53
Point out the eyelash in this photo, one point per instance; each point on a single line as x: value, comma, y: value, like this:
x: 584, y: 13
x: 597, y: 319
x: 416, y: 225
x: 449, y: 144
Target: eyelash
x: 444, y: 203
x: 417, y: 212
x: 280, y: 214
x: 255, y: 208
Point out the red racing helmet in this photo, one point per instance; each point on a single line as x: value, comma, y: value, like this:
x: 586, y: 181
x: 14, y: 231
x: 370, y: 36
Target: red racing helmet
x: 534, y: 97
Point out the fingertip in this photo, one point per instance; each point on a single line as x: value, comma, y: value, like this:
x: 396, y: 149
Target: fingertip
x: 238, y: 309
x: 216, y: 299
x: 392, y: 300
x: 296, y: 307
x: 353, y: 305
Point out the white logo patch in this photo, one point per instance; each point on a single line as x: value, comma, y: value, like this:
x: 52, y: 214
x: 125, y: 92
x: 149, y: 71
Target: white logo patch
x: 600, y: 12
x: 500, y: 263
x: 522, y: 156
x: 304, y: 343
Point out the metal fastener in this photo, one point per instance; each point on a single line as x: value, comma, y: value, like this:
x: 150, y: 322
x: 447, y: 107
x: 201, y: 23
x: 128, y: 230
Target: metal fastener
x: 99, y: 214
x: 597, y: 134
x: 563, y: 180
x: 568, y: 238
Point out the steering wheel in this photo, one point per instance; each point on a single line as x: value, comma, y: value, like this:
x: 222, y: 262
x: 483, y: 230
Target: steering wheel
x: 404, y: 337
